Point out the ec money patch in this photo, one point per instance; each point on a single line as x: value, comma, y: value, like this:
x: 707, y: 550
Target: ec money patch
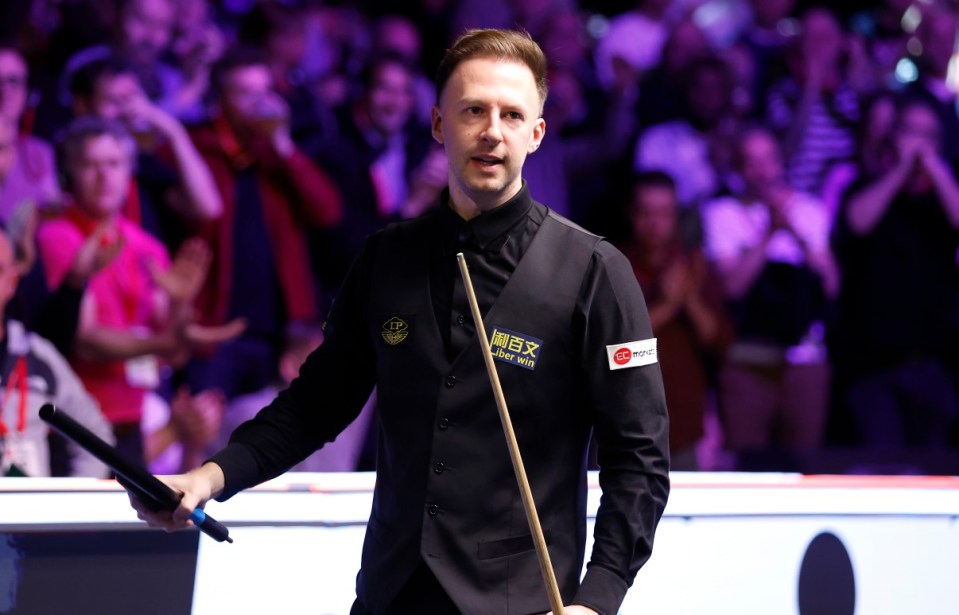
x: 632, y: 354
x: 516, y: 348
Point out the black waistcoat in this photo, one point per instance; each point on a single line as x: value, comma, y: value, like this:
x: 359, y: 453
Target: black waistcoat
x: 445, y: 488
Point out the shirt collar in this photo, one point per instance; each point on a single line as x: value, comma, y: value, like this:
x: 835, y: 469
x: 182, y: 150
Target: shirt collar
x: 490, y: 230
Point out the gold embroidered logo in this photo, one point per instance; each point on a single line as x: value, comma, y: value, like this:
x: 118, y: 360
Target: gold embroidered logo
x: 395, y: 330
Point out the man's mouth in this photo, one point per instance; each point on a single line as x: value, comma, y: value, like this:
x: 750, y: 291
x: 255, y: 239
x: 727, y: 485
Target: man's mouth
x: 487, y: 161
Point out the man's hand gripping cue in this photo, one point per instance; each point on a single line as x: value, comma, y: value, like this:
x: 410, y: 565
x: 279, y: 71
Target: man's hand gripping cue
x: 197, y: 486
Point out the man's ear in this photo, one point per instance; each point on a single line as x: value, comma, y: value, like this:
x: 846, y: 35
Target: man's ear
x: 539, y: 131
x: 436, y: 124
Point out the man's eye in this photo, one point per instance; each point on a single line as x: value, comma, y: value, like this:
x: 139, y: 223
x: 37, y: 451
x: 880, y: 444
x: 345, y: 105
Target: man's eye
x: 474, y: 110
x: 513, y: 115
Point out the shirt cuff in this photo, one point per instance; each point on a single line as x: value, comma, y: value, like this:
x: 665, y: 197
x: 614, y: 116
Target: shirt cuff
x: 601, y: 590
x: 238, y: 465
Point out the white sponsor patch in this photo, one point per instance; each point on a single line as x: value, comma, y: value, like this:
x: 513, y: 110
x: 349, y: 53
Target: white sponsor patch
x: 632, y: 354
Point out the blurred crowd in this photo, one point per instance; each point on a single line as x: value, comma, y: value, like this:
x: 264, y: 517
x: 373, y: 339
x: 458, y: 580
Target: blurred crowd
x: 184, y: 184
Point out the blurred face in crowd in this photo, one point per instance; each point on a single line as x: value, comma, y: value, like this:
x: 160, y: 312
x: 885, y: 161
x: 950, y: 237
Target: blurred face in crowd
x: 147, y: 26
x: 287, y: 45
x: 113, y: 94
x: 564, y: 39
x: 685, y: 44
x: 707, y: 95
x: 917, y: 128
x: 654, y: 215
x: 13, y: 85
x: 246, y: 92
x: 565, y: 100
x: 822, y: 38
x: 100, y: 175
x: 760, y: 162
x: 390, y: 98
x: 488, y: 119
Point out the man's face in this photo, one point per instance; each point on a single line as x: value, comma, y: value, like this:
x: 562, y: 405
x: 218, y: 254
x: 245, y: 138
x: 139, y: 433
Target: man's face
x: 917, y: 129
x: 13, y: 85
x: 288, y: 44
x: 390, y: 99
x: 654, y: 215
x: 565, y: 97
x: 707, y: 96
x: 762, y: 166
x: 822, y: 39
x: 113, y: 94
x: 488, y: 119
x: 245, y: 89
x: 100, y: 176
x: 147, y: 26
x: 685, y: 44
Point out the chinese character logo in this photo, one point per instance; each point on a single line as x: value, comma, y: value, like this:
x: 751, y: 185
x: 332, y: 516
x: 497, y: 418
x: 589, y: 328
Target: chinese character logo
x: 395, y: 330
x: 517, y: 348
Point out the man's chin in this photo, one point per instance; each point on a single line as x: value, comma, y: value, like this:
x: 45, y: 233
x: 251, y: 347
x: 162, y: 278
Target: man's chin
x: 486, y: 187
x: 492, y: 182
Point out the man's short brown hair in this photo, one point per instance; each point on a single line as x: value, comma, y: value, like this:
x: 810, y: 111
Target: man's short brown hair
x: 74, y: 137
x: 517, y: 46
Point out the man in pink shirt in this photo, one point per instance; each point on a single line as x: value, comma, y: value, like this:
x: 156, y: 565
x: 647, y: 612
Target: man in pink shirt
x: 136, y: 311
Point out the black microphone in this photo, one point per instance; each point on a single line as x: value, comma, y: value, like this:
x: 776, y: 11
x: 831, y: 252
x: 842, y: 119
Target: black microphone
x: 150, y: 490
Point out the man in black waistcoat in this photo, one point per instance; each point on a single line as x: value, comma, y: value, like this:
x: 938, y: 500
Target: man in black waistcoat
x: 570, y: 331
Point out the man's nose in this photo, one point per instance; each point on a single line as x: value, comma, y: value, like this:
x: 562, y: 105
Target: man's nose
x: 493, y: 131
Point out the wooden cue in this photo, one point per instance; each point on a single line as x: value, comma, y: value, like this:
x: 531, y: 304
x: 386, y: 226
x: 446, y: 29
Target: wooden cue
x: 549, y: 577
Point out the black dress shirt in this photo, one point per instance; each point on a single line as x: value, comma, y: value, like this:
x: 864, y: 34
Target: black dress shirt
x: 493, y: 244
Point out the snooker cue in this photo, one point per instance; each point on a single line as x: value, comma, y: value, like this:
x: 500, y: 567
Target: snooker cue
x: 549, y: 577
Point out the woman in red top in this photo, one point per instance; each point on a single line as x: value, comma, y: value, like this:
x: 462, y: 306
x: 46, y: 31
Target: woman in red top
x: 685, y: 309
